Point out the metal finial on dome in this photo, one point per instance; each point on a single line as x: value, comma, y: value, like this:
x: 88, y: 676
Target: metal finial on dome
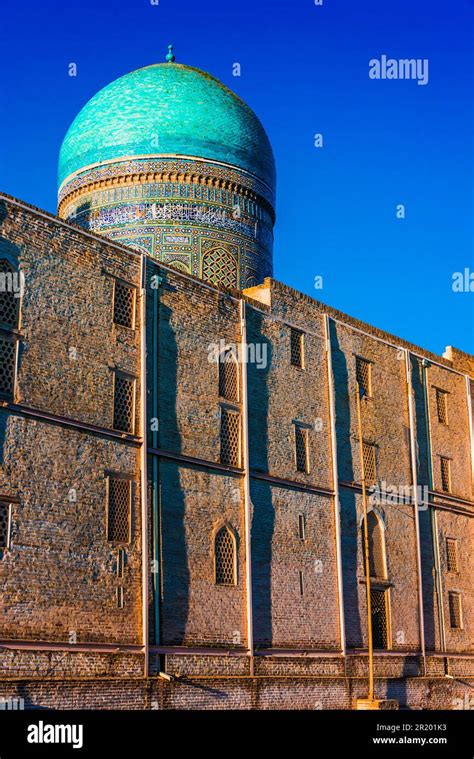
x: 170, y: 57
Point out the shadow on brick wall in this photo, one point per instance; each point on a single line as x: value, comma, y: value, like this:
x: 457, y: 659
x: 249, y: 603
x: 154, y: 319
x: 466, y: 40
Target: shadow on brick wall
x: 3, y: 211
x: 397, y: 688
x: 83, y: 215
x: 427, y: 557
x: 263, y: 519
x: 176, y: 579
x: 349, y: 516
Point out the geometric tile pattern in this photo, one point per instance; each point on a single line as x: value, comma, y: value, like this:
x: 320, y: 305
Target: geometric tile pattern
x: 219, y: 268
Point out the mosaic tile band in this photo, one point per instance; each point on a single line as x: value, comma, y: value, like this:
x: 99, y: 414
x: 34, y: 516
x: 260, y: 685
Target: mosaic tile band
x: 222, y: 235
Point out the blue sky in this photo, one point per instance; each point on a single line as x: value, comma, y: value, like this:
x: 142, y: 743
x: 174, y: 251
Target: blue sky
x: 304, y: 70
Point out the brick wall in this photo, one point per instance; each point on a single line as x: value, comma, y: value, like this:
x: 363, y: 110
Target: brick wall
x: 59, y: 573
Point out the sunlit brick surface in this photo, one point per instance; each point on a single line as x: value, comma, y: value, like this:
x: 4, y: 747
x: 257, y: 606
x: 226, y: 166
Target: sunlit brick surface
x: 61, y: 577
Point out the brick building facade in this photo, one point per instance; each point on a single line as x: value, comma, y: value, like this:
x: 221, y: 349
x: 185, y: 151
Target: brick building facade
x: 183, y: 531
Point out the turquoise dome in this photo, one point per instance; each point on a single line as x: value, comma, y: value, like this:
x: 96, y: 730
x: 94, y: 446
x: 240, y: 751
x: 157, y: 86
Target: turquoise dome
x: 191, y: 113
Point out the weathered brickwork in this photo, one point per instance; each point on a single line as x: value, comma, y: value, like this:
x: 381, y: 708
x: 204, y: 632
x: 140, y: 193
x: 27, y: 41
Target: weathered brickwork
x: 190, y: 323
x: 284, y: 616
x: 281, y: 395
x: 60, y: 574
x: 451, y: 439
x: 70, y: 345
x: 77, y: 661
x: 457, y: 527
x: 235, y: 693
x: 196, y: 611
x: 68, y: 639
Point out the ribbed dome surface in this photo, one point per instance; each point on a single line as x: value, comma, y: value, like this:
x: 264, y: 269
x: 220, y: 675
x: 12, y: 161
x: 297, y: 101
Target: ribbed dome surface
x: 165, y: 109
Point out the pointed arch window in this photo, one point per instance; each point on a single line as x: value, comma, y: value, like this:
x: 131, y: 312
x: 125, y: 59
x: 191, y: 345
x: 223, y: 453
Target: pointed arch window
x: 379, y: 592
x: 228, y: 376
x: 376, y: 546
x: 224, y: 557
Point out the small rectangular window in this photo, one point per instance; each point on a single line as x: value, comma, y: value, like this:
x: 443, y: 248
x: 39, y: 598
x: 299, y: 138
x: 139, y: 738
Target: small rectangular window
x: 297, y: 348
x: 379, y: 615
x: 455, y: 610
x: 124, y: 403
x: 5, y: 510
x: 120, y: 599
x: 230, y: 437
x: 370, y: 465
x: 12, y: 281
x: 452, y: 554
x: 445, y: 466
x: 301, y: 526
x: 364, y: 375
x: 7, y: 366
x: 229, y: 375
x: 118, y: 510
x: 120, y: 562
x: 301, y: 449
x: 124, y: 304
x: 442, y: 406
x: 301, y: 582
